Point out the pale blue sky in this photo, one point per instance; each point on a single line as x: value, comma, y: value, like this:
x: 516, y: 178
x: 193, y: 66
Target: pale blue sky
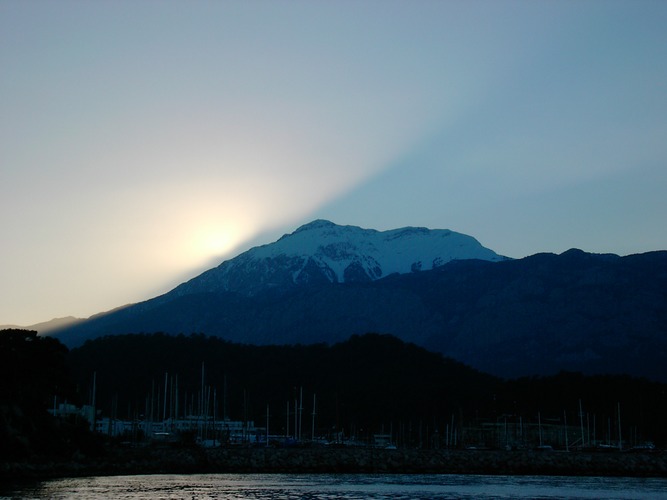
x: 142, y: 142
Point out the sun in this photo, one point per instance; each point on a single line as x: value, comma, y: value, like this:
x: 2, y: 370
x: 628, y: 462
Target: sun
x: 217, y: 242
x: 213, y: 240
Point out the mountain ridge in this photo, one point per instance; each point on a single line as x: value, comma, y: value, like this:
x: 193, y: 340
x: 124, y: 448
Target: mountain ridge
x: 44, y: 327
x: 322, y: 251
x: 576, y: 311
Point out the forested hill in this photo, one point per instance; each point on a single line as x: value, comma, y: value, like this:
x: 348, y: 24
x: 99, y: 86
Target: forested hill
x: 370, y: 379
x: 372, y: 382
x: 367, y: 384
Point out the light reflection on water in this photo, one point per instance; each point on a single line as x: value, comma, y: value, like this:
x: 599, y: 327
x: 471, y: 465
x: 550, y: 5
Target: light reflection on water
x: 340, y: 486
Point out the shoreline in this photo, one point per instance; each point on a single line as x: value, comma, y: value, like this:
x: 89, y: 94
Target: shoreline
x: 163, y: 460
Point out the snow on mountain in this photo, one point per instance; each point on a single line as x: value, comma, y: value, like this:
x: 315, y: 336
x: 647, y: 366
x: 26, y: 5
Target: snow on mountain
x: 322, y: 251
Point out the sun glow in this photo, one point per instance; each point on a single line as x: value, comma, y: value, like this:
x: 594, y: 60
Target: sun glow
x: 216, y: 242
x: 210, y: 233
x: 207, y: 240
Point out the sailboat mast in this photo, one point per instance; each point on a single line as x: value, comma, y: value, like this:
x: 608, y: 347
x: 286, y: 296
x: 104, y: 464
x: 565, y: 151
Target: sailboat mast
x: 312, y: 431
x: 567, y: 448
x: 201, y: 399
x: 539, y: 427
x: 164, y: 403
x: 92, y: 420
x: 267, y: 425
x: 300, y: 411
x: 620, y: 441
x: 581, y: 423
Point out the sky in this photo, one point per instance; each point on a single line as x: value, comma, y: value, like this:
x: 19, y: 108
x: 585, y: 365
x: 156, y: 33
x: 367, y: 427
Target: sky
x: 144, y: 142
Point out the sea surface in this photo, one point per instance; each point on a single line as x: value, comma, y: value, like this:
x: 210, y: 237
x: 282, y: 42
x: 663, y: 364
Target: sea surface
x: 338, y: 486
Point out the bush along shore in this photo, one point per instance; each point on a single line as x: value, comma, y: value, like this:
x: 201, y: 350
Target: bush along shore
x: 189, y: 460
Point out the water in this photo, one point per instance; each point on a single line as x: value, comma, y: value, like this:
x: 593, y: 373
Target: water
x: 339, y: 486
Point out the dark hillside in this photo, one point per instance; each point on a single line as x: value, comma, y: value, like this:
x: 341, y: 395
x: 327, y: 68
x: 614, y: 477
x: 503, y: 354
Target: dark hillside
x: 368, y: 384
x: 595, y: 314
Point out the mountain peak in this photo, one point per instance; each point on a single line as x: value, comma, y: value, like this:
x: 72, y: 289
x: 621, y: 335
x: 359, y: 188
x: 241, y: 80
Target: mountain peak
x: 322, y: 251
x: 316, y: 224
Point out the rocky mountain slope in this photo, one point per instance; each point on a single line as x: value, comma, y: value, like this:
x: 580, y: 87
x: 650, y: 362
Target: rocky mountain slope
x: 537, y: 315
x: 323, y: 252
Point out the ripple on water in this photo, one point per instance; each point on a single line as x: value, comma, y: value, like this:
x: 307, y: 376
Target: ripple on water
x: 340, y: 486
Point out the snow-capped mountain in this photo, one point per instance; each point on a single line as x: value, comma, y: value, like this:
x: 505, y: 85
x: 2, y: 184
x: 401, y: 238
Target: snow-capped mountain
x: 321, y: 252
x: 435, y: 288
